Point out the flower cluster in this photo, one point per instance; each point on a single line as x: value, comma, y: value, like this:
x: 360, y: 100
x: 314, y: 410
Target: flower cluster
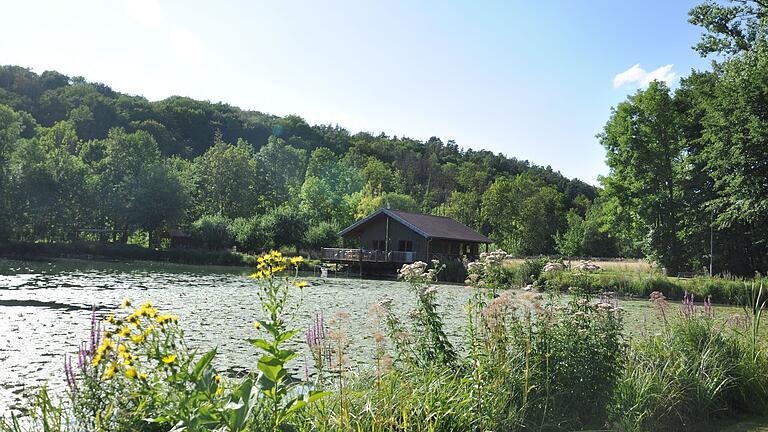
x: 274, y: 262
x: 126, y: 335
x: 587, y: 266
x: 553, y: 267
x: 688, y: 307
x: 418, y: 272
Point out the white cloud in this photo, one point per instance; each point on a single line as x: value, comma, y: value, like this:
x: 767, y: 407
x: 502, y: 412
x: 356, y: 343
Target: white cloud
x: 638, y: 75
x: 147, y: 12
x: 187, y: 46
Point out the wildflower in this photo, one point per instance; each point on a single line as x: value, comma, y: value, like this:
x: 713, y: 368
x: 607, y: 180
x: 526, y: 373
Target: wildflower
x: 139, y: 338
x: 161, y: 319
x: 110, y: 370
x: 170, y: 358
x: 258, y: 275
x: 257, y: 325
x: 300, y: 284
x: 110, y: 318
x: 143, y: 376
x: 126, y: 303
x: 131, y: 372
x: 297, y: 260
x: 96, y: 360
x: 121, y: 348
x: 217, y: 378
x: 124, y: 331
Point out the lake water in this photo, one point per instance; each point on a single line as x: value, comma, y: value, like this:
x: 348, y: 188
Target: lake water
x: 45, y: 310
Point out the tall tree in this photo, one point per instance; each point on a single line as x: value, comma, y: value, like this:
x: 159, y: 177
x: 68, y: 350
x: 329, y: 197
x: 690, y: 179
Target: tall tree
x: 643, y: 143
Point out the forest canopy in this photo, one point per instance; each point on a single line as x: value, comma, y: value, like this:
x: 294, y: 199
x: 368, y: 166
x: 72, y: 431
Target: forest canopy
x: 79, y: 155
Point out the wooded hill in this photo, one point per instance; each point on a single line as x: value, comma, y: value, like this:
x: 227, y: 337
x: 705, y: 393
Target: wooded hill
x: 78, y: 154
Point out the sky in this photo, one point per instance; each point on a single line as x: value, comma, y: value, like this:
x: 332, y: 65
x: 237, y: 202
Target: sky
x: 533, y: 80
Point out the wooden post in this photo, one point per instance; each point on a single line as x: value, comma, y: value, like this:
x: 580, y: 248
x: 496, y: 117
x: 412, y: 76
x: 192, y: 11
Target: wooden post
x: 386, y: 241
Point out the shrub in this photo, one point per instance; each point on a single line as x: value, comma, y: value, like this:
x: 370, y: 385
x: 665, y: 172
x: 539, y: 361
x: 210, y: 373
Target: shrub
x: 213, y: 231
x: 249, y: 234
x: 324, y: 234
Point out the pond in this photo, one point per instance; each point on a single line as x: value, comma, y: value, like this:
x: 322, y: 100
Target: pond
x: 45, y: 310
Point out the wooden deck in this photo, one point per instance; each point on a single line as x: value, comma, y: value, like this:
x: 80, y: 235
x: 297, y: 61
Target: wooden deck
x: 365, y: 255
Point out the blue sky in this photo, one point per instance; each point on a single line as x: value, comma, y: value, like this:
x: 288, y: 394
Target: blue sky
x: 534, y: 80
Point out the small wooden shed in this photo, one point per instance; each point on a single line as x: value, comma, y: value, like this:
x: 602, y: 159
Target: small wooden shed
x: 401, y: 237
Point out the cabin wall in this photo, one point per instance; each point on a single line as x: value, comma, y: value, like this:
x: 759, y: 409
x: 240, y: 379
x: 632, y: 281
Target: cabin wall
x: 377, y: 228
x: 454, y: 248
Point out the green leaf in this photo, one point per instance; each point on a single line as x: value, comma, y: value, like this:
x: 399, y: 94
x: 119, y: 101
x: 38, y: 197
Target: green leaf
x: 202, y: 364
x: 272, y: 367
x: 284, y: 336
x: 263, y: 345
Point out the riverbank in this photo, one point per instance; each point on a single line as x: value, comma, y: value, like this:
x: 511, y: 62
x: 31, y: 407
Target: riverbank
x: 96, y: 251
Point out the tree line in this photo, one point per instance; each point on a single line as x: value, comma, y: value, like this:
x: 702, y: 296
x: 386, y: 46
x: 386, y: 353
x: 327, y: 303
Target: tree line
x: 78, y: 157
x: 689, y: 166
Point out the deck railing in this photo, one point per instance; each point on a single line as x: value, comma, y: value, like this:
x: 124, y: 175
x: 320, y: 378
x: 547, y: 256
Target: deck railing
x: 366, y: 255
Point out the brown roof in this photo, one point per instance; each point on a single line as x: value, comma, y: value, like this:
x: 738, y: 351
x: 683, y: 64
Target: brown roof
x: 429, y: 226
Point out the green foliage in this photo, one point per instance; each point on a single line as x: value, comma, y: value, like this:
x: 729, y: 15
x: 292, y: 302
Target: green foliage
x: 250, y: 234
x: 323, y: 234
x: 525, y: 214
x: 87, y: 157
x: 213, y: 232
x: 694, y: 372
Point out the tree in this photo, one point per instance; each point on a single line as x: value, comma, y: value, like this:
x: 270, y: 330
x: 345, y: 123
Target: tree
x: 395, y: 201
x: 284, y: 165
x: 522, y: 214
x: 10, y: 132
x: 287, y: 225
x: 643, y: 143
x: 323, y: 234
x: 730, y: 29
x: 230, y: 181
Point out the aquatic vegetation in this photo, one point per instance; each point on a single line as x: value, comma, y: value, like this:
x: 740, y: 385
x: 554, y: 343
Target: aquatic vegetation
x: 529, y: 361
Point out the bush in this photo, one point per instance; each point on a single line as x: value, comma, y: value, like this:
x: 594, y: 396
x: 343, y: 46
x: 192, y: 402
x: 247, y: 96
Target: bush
x: 321, y: 235
x: 250, y: 235
x: 213, y: 231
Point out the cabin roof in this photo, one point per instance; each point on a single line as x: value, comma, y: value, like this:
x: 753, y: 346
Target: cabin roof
x: 428, y: 226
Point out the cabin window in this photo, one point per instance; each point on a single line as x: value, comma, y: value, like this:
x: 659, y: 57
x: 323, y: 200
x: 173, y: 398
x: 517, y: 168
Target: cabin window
x: 405, y: 246
x: 379, y: 245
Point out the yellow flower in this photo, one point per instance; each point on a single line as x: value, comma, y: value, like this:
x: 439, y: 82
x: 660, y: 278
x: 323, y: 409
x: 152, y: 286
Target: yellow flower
x: 170, y: 358
x: 105, y: 346
x: 143, y: 375
x: 217, y: 378
x: 109, y: 318
x: 139, y: 338
x: 257, y: 325
x: 297, y: 260
x: 257, y: 275
x: 110, y: 370
x: 121, y: 348
x: 300, y: 284
x: 126, y: 303
x: 161, y: 319
x: 96, y: 360
x: 131, y: 372
x: 124, y: 331
x: 175, y: 319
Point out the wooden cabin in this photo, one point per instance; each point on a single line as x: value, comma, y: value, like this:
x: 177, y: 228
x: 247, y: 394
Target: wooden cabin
x: 397, y: 237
